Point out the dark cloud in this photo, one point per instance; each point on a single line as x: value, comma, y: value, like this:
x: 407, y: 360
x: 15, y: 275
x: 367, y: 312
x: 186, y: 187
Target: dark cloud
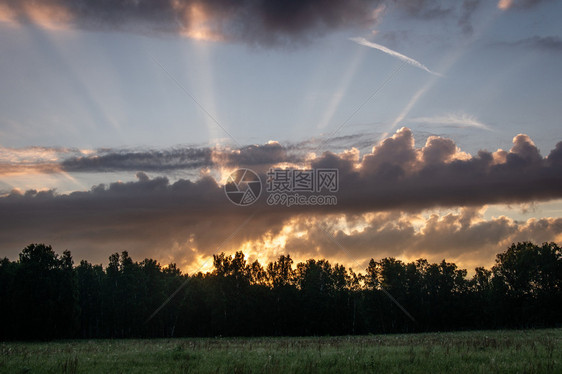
x: 395, y: 181
x: 261, y: 21
x: 181, y: 159
x: 394, y: 175
x: 256, y: 22
x: 55, y: 160
x: 259, y: 155
x: 151, y: 160
x: 147, y: 214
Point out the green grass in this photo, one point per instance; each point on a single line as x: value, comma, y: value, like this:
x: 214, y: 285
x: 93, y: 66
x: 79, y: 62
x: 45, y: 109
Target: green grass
x: 529, y: 351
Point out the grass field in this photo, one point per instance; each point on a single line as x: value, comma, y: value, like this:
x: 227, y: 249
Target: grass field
x: 529, y: 351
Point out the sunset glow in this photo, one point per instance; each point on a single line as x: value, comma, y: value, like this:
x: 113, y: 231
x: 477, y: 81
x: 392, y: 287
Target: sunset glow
x: 440, y: 123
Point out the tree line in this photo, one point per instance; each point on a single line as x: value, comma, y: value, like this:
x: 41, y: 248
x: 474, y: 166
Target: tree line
x: 43, y: 295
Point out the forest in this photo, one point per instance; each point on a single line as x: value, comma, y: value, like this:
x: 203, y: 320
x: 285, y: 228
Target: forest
x: 44, y: 296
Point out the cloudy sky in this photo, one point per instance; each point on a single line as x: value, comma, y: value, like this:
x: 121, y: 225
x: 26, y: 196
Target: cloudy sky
x: 121, y: 121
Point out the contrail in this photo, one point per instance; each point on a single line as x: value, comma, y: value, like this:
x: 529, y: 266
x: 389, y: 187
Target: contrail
x: 398, y: 55
x: 455, y: 120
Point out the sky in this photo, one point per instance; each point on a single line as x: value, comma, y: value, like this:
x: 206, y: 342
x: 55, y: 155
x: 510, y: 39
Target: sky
x: 120, y: 123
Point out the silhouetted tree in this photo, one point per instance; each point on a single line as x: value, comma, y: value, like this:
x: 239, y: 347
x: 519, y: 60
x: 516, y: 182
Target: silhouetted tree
x: 527, y: 279
x: 44, y: 296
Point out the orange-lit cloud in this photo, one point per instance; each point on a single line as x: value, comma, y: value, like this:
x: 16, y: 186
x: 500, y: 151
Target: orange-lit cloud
x: 53, y: 17
x: 189, y: 237
x: 505, y: 4
x: 521, y: 4
x: 7, y: 14
x: 463, y: 236
x: 386, y: 204
x: 48, y: 14
x: 28, y: 169
x: 196, y: 23
x: 35, y: 160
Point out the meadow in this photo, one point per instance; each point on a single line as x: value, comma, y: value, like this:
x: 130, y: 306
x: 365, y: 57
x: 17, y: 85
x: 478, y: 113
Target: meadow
x: 516, y: 351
